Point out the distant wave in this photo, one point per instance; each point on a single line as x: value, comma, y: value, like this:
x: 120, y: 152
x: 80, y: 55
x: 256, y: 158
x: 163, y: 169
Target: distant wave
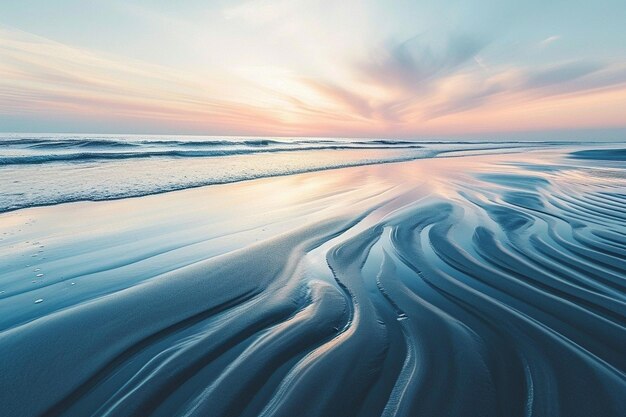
x: 40, y: 151
x: 64, y: 143
x: 70, y: 143
x: 95, y: 156
x: 54, y: 143
x: 23, y: 149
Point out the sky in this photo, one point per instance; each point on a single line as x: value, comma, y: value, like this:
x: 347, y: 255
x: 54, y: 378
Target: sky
x: 435, y: 69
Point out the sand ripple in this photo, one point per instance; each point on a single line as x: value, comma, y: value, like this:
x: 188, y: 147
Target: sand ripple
x: 409, y: 290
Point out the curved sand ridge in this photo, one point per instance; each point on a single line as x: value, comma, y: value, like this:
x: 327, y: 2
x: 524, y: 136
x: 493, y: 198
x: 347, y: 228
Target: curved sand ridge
x: 491, y: 285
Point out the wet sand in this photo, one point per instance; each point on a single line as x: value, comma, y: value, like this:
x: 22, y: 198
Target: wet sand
x: 477, y: 285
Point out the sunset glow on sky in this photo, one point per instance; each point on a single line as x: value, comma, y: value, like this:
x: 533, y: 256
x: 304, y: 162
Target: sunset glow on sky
x: 416, y: 69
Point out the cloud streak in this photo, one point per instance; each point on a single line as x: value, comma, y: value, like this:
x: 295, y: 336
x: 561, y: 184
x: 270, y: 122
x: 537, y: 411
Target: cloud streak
x: 420, y: 86
x: 414, y: 64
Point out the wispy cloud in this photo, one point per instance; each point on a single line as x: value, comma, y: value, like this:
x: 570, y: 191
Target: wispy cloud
x: 413, y: 87
x: 424, y: 82
x: 44, y: 77
x: 560, y: 74
x: 549, y: 40
x: 415, y: 64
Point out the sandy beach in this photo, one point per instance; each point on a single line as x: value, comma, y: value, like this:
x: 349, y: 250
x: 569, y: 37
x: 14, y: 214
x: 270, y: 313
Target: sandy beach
x: 296, y: 208
x: 354, y: 291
